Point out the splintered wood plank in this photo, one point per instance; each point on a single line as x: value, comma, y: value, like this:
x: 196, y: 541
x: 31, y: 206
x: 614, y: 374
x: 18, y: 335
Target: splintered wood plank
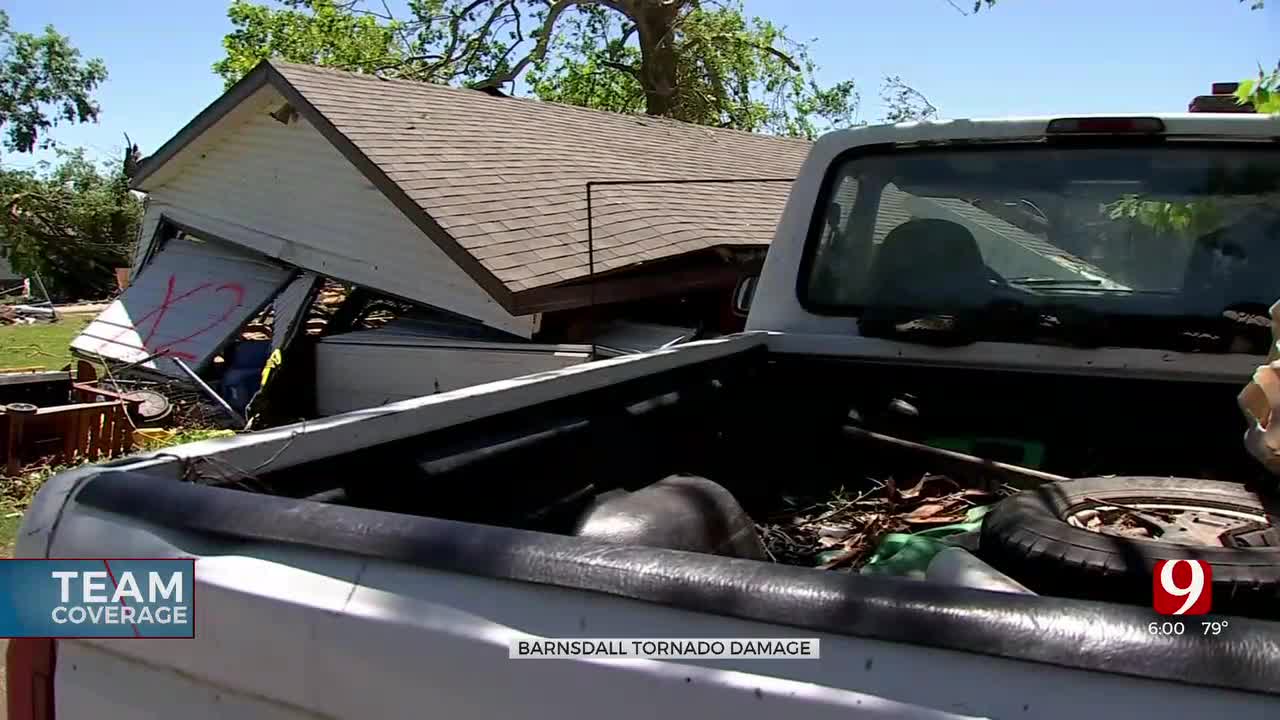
x: 119, y: 426
x: 108, y: 432
x: 96, y: 431
x: 84, y: 438
x: 126, y: 431
x: 67, y: 427
x: 106, y: 429
x: 85, y: 372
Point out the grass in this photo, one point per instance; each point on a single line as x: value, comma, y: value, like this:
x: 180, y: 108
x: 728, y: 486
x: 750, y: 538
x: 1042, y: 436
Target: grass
x: 42, y: 345
x: 16, y: 492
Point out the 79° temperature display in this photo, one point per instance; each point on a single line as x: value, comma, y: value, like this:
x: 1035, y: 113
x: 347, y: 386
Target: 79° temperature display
x: 1178, y: 627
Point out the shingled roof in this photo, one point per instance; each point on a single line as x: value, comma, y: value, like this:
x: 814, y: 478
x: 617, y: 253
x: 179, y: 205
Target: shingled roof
x: 502, y: 180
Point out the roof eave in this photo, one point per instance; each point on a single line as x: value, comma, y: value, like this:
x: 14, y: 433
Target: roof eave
x: 253, y: 81
x: 698, y: 270
x: 263, y: 74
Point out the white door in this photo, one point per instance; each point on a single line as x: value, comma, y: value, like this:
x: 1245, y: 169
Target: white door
x: 186, y: 303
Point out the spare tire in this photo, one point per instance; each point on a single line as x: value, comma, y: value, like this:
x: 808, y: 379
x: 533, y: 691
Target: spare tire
x: 1038, y: 537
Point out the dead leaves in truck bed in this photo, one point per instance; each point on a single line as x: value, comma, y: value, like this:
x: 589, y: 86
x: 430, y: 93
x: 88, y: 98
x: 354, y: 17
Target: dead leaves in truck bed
x: 843, y: 530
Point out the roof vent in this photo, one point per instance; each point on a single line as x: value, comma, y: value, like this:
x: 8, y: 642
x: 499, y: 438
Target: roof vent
x: 285, y: 114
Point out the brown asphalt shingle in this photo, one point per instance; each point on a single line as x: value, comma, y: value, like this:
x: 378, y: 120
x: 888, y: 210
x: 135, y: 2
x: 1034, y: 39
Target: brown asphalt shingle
x: 505, y: 177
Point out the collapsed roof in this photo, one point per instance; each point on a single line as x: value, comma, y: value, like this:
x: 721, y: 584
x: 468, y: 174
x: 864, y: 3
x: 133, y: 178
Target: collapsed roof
x: 499, y: 183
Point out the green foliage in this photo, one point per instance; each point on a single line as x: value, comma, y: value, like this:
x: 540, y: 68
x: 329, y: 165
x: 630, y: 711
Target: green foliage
x: 184, y: 436
x: 317, y: 32
x: 1191, y: 219
x: 729, y: 71
x: 73, y: 223
x: 1263, y: 92
x: 904, y: 103
x: 591, y: 65
x: 701, y: 62
x: 43, y: 82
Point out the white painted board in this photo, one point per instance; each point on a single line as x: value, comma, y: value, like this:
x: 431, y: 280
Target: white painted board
x: 370, y: 369
x: 188, y: 301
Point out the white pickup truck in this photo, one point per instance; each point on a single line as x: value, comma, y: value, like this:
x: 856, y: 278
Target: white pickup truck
x: 1095, y: 288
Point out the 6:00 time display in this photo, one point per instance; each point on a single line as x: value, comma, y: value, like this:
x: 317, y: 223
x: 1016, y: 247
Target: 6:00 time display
x: 1176, y: 627
x: 1169, y: 627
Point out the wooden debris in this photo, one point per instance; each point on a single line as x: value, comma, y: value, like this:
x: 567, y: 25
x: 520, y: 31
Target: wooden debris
x: 80, y: 432
x: 841, y: 531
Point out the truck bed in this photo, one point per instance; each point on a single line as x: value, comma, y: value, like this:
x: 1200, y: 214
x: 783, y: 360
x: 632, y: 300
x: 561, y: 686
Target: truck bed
x: 473, y: 491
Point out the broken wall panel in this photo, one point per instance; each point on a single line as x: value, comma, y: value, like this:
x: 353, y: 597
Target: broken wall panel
x: 375, y: 367
x: 189, y: 300
x: 285, y: 191
x: 290, y: 309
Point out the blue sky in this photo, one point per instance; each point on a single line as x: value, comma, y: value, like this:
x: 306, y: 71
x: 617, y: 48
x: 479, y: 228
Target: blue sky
x: 1025, y: 57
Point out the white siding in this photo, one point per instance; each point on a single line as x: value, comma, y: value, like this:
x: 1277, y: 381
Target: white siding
x: 284, y: 190
x: 370, y: 369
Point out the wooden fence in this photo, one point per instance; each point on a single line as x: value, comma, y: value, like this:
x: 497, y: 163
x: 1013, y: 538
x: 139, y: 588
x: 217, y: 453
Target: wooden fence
x: 82, y: 432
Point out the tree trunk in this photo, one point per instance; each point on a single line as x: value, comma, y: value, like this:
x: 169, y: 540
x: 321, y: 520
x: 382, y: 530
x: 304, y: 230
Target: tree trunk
x: 655, y: 21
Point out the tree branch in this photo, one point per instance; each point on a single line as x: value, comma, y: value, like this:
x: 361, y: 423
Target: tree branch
x: 904, y: 102
x: 776, y: 53
x: 518, y: 39
x: 544, y: 39
x: 480, y: 34
x: 762, y: 48
x: 631, y: 70
x: 401, y: 62
x: 455, y: 24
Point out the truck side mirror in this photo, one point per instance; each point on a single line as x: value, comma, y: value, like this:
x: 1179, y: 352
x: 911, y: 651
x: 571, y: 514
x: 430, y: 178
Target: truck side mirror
x: 743, y: 293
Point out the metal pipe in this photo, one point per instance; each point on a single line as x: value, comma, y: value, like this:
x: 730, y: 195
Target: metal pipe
x: 47, y: 299
x: 240, y: 419
x: 957, y: 461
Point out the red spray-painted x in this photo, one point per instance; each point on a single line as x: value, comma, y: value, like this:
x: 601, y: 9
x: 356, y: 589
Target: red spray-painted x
x: 157, y: 315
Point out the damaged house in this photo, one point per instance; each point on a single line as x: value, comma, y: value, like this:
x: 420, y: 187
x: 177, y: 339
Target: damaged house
x: 396, y: 238
x: 465, y: 211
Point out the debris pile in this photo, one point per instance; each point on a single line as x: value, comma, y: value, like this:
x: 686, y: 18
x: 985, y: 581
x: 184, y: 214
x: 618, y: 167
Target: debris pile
x: 188, y: 406
x: 61, y: 418
x: 329, y: 298
x: 842, y: 531
x: 1118, y: 521
x: 26, y: 314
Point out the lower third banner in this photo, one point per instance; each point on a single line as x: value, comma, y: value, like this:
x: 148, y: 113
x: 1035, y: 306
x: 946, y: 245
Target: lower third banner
x: 111, y: 598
